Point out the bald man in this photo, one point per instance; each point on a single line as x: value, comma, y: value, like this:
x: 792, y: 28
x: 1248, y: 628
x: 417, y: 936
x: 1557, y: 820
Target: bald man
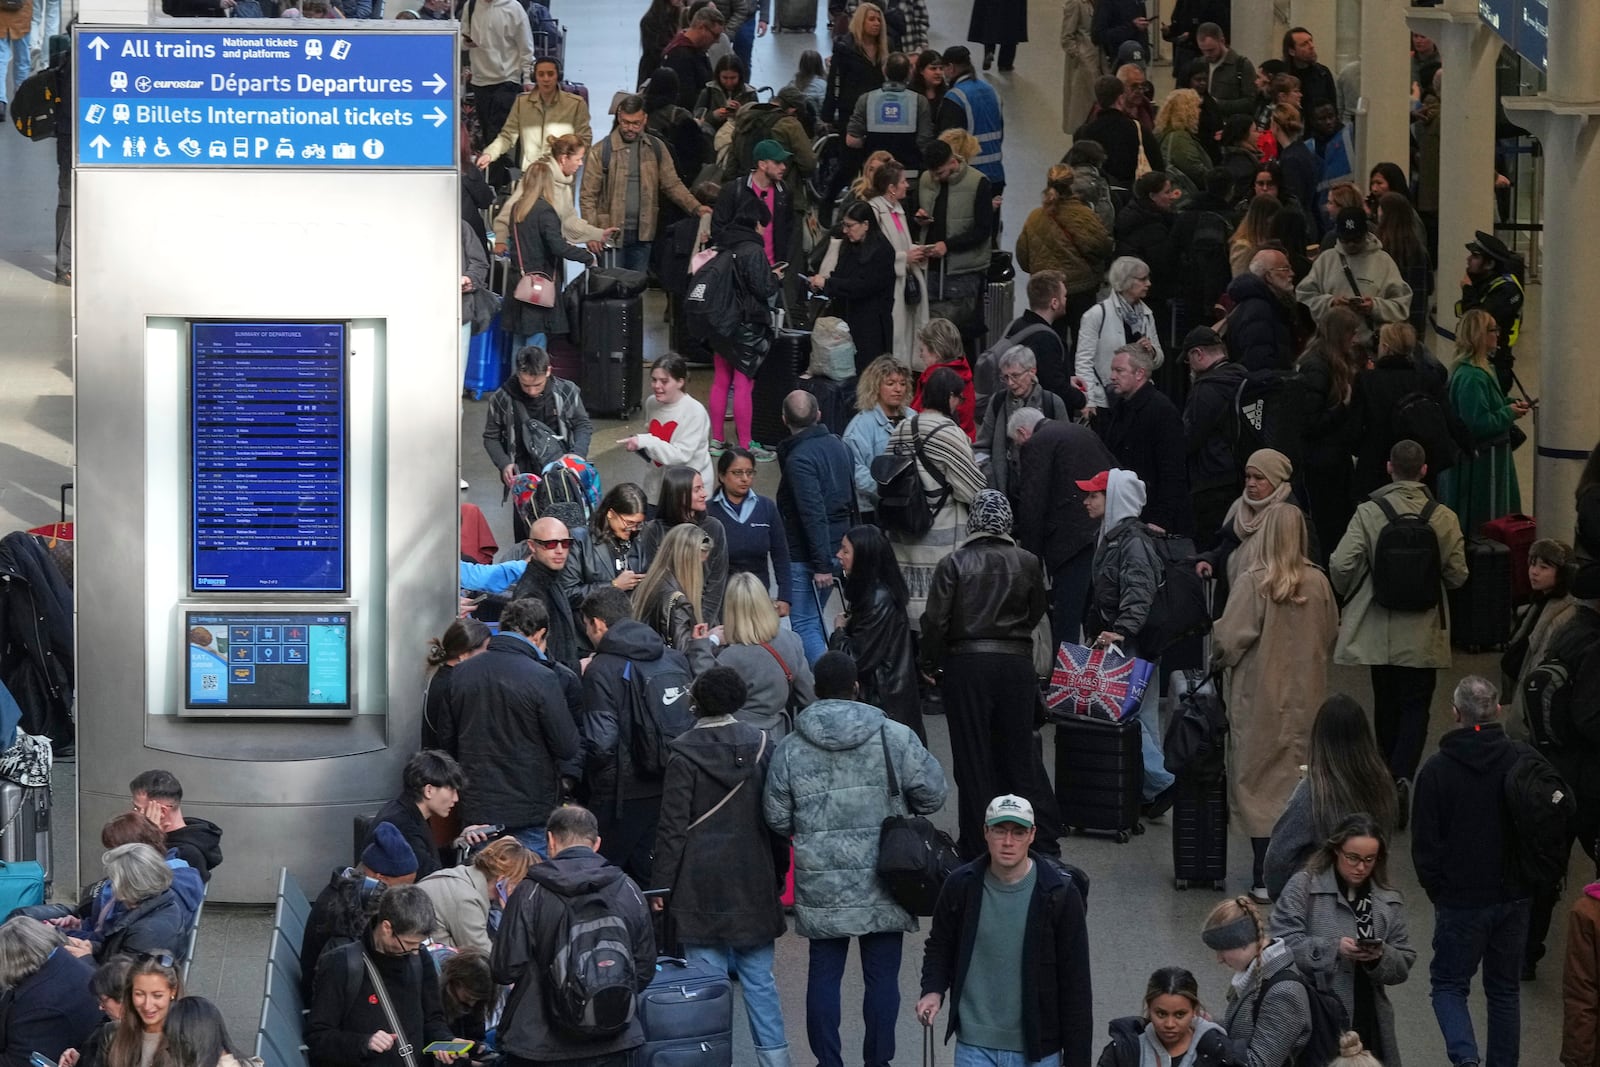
x: 549, y: 544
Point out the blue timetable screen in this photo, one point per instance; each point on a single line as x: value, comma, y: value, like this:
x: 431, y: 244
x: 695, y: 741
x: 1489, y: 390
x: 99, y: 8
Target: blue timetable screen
x: 267, y: 457
x: 244, y: 661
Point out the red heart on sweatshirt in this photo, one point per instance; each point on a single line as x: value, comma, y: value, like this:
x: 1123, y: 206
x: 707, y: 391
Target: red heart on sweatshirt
x: 663, y: 430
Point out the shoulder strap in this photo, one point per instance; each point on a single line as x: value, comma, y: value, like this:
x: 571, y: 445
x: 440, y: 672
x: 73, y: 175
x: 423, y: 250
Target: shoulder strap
x: 402, y: 1045
x: 1382, y: 500
x: 888, y: 763
x: 922, y: 458
x: 718, y: 806
x: 787, y: 673
x: 1349, y: 275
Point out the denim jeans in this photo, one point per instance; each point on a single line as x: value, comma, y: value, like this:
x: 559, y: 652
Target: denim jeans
x: 754, y: 968
x: 522, y: 340
x: 634, y: 253
x: 976, y: 1056
x: 804, y: 618
x: 744, y: 40
x: 1462, y: 939
x: 13, y: 50
x: 880, y: 971
x: 533, y: 837
x: 46, y: 24
x: 1156, y: 776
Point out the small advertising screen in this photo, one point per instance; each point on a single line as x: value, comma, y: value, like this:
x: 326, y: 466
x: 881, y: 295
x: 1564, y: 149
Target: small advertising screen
x: 259, y: 662
x: 268, y: 455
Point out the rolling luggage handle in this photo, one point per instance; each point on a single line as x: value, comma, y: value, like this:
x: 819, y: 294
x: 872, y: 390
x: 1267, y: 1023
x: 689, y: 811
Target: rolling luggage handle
x: 929, y: 1046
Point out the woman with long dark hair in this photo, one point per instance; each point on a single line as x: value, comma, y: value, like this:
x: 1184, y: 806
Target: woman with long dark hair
x: 875, y: 628
x: 464, y: 638
x: 683, y: 502
x: 862, y: 284
x: 1344, y: 773
x: 153, y: 987
x: 927, y: 77
x: 198, y: 1037
x: 1329, y: 367
x: 1398, y: 228
x: 1347, y: 927
x: 724, y: 94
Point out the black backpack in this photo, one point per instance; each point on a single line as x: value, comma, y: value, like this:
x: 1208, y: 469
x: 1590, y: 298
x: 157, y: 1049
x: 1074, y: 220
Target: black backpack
x: 658, y: 710
x: 559, y: 495
x: 1419, y: 417
x: 591, y: 975
x: 37, y: 99
x: 1557, y: 719
x: 1268, y: 410
x: 752, y: 125
x: 1541, y: 811
x: 903, y: 505
x: 1407, y: 571
x: 1179, y: 609
x: 714, y: 304
x: 1329, y: 1020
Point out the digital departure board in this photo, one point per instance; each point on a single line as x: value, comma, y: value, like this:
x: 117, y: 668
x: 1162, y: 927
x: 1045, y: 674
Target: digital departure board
x: 244, y: 662
x: 267, y: 417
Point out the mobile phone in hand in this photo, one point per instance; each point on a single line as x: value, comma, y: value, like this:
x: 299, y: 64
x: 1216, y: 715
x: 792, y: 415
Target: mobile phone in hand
x: 1370, y: 944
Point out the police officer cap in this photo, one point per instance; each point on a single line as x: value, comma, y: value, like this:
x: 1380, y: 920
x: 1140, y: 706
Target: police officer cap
x: 1489, y: 246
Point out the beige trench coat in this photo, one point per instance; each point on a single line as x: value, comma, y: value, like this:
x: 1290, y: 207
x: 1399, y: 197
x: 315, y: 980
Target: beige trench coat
x: 1082, y: 63
x: 1277, y: 657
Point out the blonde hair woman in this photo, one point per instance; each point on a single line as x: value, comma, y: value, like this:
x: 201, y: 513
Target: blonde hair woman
x: 463, y: 896
x: 770, y: 659
x: 962, y: 143
x: 562, y: 159
x: 883, y: 392
x: 1273, y: 1023
x: 1178, y: 127
x: 668, y: 598
x: 1275, y: 640
x: 537, y: 246
x: 1483, y: 484
x: 856, y: 67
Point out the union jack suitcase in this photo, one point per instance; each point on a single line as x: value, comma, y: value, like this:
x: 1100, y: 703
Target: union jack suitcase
x: 1099, y: 776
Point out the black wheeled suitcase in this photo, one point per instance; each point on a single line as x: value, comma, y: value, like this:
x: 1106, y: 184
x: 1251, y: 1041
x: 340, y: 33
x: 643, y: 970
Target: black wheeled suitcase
x: 686, y: 1013
x: 776, y: 378
x: 797, y: 16
x: 1480, y: 611
x: 1200, y: 834
x: 1100, y: 775
x: 612, y: 334
x: 26, y: 831
x: 836, y: 399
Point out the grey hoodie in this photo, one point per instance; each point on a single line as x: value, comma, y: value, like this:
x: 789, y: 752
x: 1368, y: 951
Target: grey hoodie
x: 828, y: 789
x: 1376, y: 274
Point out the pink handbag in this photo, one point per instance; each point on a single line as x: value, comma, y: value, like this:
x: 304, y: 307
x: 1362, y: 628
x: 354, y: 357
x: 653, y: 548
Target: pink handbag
x: 536, y: 289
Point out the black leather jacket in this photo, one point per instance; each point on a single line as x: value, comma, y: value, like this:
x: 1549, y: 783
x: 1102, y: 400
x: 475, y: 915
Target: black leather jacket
x: 879, y: 637
x: 986, y: 596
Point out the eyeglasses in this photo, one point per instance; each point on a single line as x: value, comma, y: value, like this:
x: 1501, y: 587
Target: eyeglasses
x: 1359, y: 861
x: 1012, y: 377
x: 741, y: 472
x: 164, y: 959
x: 628, y: 524
x: 408, y: 945
x: 553, y: 543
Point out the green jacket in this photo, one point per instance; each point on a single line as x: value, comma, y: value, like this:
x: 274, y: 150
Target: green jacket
x: 1370, y: 634
x: 1481, y: 486
x: 1182, y: 151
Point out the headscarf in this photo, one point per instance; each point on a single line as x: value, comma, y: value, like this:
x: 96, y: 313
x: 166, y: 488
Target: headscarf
x: 990, y: 514
x: 1247, y: 515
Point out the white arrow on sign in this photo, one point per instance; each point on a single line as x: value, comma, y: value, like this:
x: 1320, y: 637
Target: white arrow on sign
x: 437, y: 82
x: 437, y: 116
x: 98, y: 46
x: 100, y: 144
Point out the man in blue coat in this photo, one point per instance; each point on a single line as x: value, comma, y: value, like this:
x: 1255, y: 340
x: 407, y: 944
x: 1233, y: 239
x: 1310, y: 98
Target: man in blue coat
x: 817, y: 502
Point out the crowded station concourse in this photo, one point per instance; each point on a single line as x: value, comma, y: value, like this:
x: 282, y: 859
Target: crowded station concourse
x: 695, y: 530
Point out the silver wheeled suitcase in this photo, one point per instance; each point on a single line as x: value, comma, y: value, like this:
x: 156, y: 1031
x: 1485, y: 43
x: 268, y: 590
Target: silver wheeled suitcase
x: 999, y: 305
x: 25, y: 831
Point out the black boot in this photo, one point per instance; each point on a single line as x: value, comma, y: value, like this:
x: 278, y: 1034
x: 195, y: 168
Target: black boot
x: 988, y: 58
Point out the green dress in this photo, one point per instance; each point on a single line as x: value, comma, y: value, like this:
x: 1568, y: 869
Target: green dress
x: 1481, y: 486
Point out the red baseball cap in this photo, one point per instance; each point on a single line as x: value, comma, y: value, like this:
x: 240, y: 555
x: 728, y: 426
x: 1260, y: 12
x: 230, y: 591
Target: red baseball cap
x: 1097, y: 484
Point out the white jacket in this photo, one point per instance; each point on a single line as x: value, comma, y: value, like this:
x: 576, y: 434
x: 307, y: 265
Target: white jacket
x: 1100, y: 333
x: 1376, y: 274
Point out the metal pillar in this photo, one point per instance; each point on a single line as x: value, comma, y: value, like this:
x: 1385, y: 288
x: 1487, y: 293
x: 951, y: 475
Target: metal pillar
x: 1566, y: 120
x: 1252, y: 30
x: 1322, y: 19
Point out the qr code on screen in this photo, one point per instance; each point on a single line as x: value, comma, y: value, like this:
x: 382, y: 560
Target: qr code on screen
x: 208, y: 681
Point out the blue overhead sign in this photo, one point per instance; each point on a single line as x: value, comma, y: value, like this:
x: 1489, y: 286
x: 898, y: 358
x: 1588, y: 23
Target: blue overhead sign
x: 265, y: 98
x: 1522, y: 24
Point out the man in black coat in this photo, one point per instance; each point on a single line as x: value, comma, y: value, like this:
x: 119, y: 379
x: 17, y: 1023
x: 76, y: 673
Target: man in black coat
x: 1215, y: 474
x: 549, y: 544
x: 1490, y: 283
x: 1261, y: 324
x: 1144, y: 432
x: 687, y: 54
x: 530, y: 935
x: 1027, y: 981
x: 1051, y: 522
x: 347, y: 1024
x: 1144, y: 231
x: 764, y: 183
x: 431, y: 785
x: 1119, y: 132
x: 1317, y: 84
x: 513, y: 728
x: 1117, y: 22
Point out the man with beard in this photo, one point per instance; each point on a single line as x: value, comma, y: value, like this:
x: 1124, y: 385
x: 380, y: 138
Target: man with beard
x: 1261, y: 325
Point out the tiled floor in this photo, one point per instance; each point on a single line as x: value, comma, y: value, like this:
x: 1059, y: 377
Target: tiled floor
x: 1137, y: 922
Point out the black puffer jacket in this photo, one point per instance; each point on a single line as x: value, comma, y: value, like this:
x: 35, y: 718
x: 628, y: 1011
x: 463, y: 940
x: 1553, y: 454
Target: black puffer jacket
x: 513, y: 730
x: 713, y: 848
x: 1208, y: 428
x: 1377, y: 391
x: 850, y: 75
x: 606, y: 693
x: 1127, y: 573
x: 1260, y: 327
x: 1126, y: 1047
x: 1145, y: 231
x: 986, y: 596
x: 36, y: 634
